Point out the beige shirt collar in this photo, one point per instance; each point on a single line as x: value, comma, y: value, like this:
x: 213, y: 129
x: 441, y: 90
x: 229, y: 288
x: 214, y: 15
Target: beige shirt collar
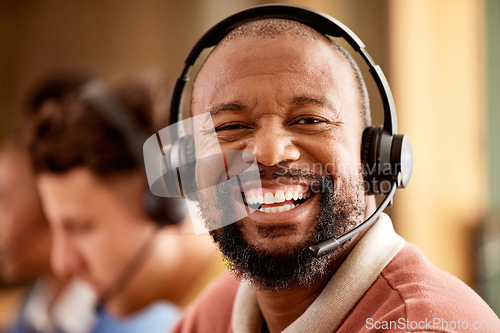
x: 353, y: 278
x: 73, y: 312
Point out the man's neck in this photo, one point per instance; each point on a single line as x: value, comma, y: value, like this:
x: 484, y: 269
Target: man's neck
x: 282, y: 307
x: 128, y: 294
x: 161, y: 271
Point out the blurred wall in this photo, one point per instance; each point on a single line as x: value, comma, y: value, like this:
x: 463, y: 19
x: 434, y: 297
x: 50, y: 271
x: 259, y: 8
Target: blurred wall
x: 489, y: 281
x: 438, y: 75
x: 106, y: 37
x: 116, y: 37
x: 493, y: 35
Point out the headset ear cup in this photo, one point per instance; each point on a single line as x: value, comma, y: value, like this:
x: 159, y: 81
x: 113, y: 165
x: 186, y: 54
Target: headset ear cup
x: 165, y: 211
x: 385, y: 158
x: 165, y: 207
x: 186, y: 163
x: 181, y: 158
x: 402, y: 159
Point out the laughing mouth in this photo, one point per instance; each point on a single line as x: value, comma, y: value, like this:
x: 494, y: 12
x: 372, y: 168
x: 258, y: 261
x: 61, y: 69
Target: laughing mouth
x: 277, y: 200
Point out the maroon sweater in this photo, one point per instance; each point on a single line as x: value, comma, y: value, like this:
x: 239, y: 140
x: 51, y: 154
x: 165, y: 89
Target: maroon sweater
x: 410, y: 295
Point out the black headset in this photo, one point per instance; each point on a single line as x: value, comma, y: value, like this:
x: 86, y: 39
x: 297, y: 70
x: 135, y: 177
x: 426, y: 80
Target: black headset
x: 163, y: 211
x: 386, y: 156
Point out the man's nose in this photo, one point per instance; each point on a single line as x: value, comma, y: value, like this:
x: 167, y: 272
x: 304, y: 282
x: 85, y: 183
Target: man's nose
x: 273, y: 143
x: 65, y: 258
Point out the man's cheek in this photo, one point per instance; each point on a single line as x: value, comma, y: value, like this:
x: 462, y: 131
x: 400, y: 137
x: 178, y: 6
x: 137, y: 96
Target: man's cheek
x: 210, y: 171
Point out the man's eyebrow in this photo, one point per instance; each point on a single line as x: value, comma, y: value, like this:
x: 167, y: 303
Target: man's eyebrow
x: 226, y: 107
x: 318, y: 101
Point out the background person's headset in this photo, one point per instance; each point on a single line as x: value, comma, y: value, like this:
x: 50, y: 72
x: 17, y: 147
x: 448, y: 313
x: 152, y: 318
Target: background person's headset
x: 162, y: 210
x: 387, y: 156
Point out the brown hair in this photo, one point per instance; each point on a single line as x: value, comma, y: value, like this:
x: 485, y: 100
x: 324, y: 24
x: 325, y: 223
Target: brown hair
x: 70, y: 132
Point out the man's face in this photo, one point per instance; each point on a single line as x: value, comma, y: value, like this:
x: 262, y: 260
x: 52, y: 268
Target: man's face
x: 294, y: 104
x: 95, y: 226
x: 24, y: 233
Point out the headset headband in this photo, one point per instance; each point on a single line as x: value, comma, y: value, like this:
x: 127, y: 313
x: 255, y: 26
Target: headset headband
x: 387, y: 155
x: 322, y: 23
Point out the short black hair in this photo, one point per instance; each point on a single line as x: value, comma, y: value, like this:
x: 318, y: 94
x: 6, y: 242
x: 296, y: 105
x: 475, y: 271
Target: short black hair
x: 55, y: 86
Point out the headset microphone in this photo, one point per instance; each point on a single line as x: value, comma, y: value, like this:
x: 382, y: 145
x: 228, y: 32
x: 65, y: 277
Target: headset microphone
x: 387, y: 157
x: 333, y: 244
x: 127, y: 273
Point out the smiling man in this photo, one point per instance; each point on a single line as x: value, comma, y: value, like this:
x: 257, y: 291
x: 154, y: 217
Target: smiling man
x: 305, y: 138
x: 287, y: 95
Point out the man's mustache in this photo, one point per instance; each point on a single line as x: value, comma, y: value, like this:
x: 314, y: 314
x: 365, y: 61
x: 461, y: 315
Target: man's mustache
x: 279, y: 175
x: 280, y: 172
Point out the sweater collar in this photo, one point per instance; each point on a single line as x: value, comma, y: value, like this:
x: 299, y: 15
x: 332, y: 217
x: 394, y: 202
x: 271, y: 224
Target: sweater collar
x: 352, y: 279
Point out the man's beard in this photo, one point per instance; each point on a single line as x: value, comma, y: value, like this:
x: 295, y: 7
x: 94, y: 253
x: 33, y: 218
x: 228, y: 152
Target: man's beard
x: 341, y: 209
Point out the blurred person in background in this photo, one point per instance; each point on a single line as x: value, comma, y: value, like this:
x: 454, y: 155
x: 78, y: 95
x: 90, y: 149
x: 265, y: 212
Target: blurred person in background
x: 51, y: 304
x: 93, y: 190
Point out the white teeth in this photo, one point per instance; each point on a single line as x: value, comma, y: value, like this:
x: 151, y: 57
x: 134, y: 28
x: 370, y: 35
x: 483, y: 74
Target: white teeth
x: 277, y: 209
x: 260, y: 198
x: 268, y: 198
x: 279, y: 196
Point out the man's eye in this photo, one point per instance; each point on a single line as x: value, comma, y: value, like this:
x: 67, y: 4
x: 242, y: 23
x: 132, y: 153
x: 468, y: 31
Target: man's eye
x: 232, y: 131
x: 230, y: 127
x: 309, y: 121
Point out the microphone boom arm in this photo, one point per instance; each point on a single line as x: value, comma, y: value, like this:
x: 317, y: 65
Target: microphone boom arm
x: 333, y: 244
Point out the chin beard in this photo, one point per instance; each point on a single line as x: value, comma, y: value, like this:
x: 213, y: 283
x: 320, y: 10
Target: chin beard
x: 341, y: 209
